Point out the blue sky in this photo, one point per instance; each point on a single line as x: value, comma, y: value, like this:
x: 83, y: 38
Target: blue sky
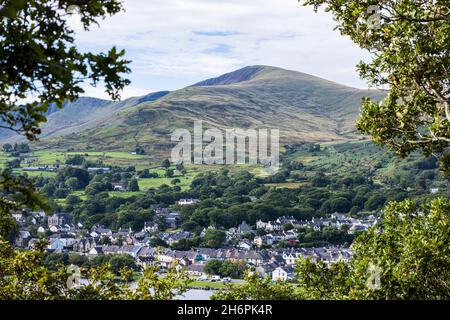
x: 179, y: 42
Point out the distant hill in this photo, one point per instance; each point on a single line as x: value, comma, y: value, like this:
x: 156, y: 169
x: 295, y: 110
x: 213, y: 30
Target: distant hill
x: 80, y: 115
x: 305, y: 108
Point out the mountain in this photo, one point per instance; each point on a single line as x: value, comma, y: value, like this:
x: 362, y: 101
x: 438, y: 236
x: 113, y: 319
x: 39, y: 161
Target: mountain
x: 82, y: 114
x: 244, y: 74
x: 304, y: 108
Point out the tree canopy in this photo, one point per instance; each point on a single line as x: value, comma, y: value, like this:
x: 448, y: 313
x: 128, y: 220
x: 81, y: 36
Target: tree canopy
x: 405, y: 256
x: 410, y: 43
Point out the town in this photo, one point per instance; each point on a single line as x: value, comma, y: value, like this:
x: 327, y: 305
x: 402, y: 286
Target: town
x: 259, y: 255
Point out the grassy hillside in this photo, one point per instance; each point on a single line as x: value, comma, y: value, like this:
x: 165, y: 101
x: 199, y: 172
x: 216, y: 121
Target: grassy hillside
x: 303, y: 107
x: 80, y: 115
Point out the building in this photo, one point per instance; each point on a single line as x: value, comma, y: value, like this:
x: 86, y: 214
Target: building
x: 282, y: 274
x: 55, y: 220
x: 183, y: 202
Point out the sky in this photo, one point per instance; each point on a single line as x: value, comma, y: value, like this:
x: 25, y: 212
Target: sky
x: 176, y: 43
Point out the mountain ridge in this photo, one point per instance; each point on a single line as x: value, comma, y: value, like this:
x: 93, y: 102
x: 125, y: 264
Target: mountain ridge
x: 304, y: 108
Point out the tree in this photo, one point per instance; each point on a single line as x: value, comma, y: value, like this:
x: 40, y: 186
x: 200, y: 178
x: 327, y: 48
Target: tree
x: 134, y: 185
x: 76, y: 160
x: 13, y: 164
x: 180, y: 167
x: 410, y: 43
x: 405, y: 256
x: 73, y: 200
x: 341, y: 205
x: 169, y: 173
x: 165, y: 163
x: 22, y: 148
x: 38, y: 58
x: 375, y: 202
x: 73, y: 183
x: 7, y: 147
x: 214, y: 238
x: 212, y: 267
x: 256, y: 288
x: 61, y: 193
x: 120, y: 261
x: 27, y: 279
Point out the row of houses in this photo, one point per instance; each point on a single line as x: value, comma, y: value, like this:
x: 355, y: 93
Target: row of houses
x: 335, y: 220
x: 278, y: 264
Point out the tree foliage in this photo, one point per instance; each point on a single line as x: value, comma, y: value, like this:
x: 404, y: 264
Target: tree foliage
x: 23, y: 276
x: 406, y: 256
x: 410, y: 43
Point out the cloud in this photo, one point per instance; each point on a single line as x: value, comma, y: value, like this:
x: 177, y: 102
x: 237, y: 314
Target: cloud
x: 216, y: 33
x: 129, y: 91
x: 179, y: 42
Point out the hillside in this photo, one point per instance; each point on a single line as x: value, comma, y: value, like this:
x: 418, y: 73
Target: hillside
x: 82, y: 114
x: 305, y: 109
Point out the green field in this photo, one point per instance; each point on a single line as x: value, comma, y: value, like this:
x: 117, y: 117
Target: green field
x: 208, y: 284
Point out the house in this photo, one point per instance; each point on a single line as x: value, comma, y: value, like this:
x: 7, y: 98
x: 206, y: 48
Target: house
x: 252, y: 257
x: 19, y: 217
x: 164, y: 258
x: 282, y: 274
x: 245, y: 245
x: 434, y: 190
x: 56, y: 245
x: 55, y: 220
x: 110, y: 249
x: 205, y: 254
x: 84, y: 245
x: 99, y: 170
x: 244, y: 228
x: 197, y: 270
x: 96, y: 251
x: 33, y: 243
x: 22, y: 239
x: 290, y: 257
x: 102, y: 231
x: 146, y: 256
x: 264, y: 240
x: 273, y: 226
x: 172, y: 220
x: 266, y: 270
x: 118, y: 187
x: 150, y: 227
x: 132, y: 250
x: 183, y: 202
x: 55, y: 229
x: 261, y: 225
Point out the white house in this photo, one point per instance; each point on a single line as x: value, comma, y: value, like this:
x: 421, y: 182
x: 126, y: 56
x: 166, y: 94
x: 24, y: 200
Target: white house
x: 290, y: 258
x: 279, y: 274
x: 183, y: 202
x: 282, y: 274
x: 434, y: 190
x: 261, y: 225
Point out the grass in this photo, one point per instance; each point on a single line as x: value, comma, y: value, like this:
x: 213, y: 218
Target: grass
x: 116, y: 158
x: 149, y: 183
x: 208, y: 284
x: 286, y: 185
x: 126, y: 194
x: 34, y: 174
